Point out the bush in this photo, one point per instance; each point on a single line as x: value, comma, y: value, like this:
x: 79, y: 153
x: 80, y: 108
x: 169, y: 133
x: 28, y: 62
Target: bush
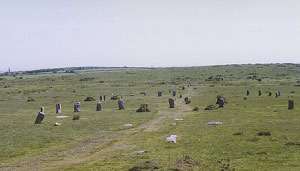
x: 30, y: 99
x: 88, y: 99
x: 196, y: 109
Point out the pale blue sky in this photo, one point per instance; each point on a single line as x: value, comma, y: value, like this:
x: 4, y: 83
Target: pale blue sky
x: 58, y: 33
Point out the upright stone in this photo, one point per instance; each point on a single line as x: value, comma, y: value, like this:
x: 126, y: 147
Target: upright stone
x: 40, y: 116
x: 104, y: 98
x: 58, y: 108
x: 171, y: 103
x: 174, y: 93
x: 187, y: 100
x: 220, y: 101
x: 121, y: 104
x: 99, y: 106
x: 248, y: 93
x: 291, y: 104
x: 259, y: 93
x: 100, y: 98
x: 270, y: 93
x: 77, y: 107
x: 159, y: 94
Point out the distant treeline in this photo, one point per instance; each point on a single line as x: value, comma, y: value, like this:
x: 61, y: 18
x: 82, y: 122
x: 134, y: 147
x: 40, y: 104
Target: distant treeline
x: 55, y: 70
x: 65, y: 70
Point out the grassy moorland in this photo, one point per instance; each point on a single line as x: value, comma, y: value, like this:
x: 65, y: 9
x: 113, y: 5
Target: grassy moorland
x: 100, y: 141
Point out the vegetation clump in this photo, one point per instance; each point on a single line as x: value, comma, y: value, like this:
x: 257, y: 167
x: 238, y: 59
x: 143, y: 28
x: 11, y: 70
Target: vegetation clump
x: 211, y: 107
x: 147, y: 165
x: 215, y: 78
x: 87, y: 79
x: 196, y: 109
x: 264, y: 133
x: 115, y: 97
x: 186, y: 163
x: 30, y: 99
x: 88, y: 99
x: 76, y: 117
x: 143, y: 108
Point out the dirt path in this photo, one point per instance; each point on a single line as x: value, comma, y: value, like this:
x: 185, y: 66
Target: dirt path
x: 92, y: 148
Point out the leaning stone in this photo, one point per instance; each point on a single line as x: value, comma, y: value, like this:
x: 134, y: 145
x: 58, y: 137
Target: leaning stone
x: 40, y: 116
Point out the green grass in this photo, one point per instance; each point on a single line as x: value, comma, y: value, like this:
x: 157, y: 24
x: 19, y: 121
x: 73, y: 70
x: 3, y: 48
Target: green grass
x: 212, y: 147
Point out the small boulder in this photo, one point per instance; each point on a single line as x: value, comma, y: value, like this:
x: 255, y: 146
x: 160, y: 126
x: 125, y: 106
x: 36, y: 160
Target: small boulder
x: 143, y: 108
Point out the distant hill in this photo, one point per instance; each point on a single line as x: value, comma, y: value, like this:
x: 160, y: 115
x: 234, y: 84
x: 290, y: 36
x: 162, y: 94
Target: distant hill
x: 209, y: 73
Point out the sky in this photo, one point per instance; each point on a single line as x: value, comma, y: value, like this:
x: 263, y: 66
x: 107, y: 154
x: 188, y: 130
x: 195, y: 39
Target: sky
x: 38, y: 34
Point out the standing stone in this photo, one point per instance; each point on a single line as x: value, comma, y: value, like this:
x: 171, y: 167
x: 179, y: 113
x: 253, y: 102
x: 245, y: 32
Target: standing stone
x: 121, y: 104
x: 58, y: 108
x: 171, y: 103
x: 270, y: 93
x: 183, y: 88
x: 291, y: 104
x: 278, y: 93
x: 99, y: 106
x: 174, y: 93
x: 248, y: 93
x: 187, y: 100
x: 159, y: 94
x: 77, y: 107
x: 40, y: 116
x: 100, y: 98
x: 259, y: 93
x: 180, y: 96
x: 220, y: 101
